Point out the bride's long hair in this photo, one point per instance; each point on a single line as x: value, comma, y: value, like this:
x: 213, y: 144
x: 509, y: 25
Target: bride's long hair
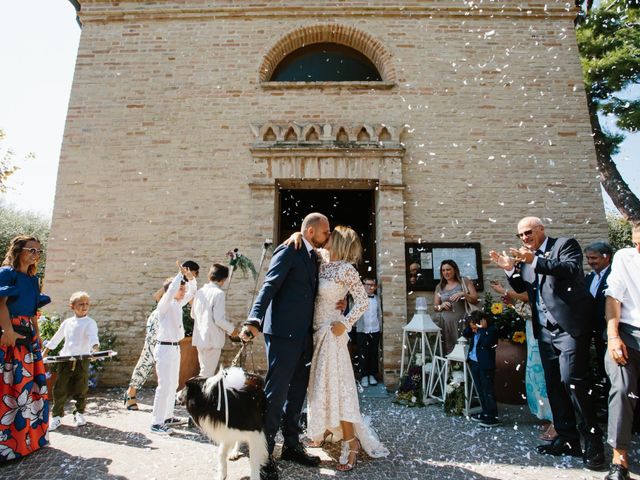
x: 345, y: 245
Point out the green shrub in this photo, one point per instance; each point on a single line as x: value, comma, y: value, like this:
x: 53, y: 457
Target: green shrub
x: 619, y: 232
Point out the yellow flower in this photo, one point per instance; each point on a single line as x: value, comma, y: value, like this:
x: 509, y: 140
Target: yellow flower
x: 496, y: 308
x: 519, y: 337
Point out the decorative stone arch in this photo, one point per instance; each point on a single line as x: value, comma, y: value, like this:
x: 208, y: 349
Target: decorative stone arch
x: 291, y: 133
x: 385, y: 133
x: 311, y: 133
x: 363, y: 133
x: 341, y: 133
x: 346, y: 35
x: 269, y: 132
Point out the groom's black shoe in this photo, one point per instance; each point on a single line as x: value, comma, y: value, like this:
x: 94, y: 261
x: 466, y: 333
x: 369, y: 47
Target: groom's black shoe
x: 269, y: 471
x: 298, y: 455
x: 561, y: 447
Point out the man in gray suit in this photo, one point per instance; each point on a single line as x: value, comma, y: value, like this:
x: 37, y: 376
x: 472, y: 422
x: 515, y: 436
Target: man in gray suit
x: 550, y: 271
x: 623, y: 355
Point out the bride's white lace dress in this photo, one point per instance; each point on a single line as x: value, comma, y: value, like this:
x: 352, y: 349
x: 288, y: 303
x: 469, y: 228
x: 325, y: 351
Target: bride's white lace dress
x: 332, y: 394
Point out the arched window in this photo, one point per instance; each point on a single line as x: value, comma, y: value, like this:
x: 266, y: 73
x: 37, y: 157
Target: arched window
x: 326, y: 62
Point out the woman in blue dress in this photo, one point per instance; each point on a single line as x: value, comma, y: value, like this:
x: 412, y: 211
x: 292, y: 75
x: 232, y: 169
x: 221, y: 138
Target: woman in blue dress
x: 24, y: 405
x: 537, y: 398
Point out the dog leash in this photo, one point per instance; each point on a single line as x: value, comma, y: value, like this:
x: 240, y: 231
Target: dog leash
x: 240, y: 359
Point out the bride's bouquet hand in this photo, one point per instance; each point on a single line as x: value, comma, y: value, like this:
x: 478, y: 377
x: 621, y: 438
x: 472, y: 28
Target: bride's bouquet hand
x: 338, y: 328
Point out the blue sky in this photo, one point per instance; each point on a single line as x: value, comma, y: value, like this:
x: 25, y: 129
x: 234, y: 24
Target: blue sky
x: 38, y: 47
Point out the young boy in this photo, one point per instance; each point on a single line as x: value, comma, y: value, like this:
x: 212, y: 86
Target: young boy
x: 80, y: 335
x: 210, y: 325
x: 167, y: 349
x: 482, y: 360
x: 368, y: 336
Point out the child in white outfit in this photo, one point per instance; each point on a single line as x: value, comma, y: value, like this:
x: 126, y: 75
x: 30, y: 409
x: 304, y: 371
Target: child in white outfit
x: 167, y: 349
x: 80, y: 335
x: 210, y: 324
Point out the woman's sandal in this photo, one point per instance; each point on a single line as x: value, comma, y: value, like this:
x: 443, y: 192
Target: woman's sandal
x: 549, y: 435
x: 327, y: 437
x: 130, y: 402
x: 346, y: 464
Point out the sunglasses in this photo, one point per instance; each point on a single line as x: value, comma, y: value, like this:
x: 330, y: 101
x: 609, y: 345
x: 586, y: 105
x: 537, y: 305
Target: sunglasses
x: 33, y: 251
x: 526, y: 233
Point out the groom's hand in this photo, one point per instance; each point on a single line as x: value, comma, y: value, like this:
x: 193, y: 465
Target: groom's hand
x: 248, y: 333
x: 341, y: 305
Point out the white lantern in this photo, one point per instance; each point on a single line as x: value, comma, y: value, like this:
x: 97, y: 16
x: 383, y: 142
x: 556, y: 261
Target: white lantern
x: 426, y: 342
x: 459, y: 354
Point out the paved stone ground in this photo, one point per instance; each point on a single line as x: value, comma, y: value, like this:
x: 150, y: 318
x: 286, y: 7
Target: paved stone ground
x: 424, y: 444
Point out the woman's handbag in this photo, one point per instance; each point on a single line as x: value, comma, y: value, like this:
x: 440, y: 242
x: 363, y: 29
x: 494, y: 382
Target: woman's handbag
x: 468, y: 306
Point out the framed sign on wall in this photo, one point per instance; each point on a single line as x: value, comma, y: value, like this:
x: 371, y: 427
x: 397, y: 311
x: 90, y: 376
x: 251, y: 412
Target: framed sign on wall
x: 423, y: 263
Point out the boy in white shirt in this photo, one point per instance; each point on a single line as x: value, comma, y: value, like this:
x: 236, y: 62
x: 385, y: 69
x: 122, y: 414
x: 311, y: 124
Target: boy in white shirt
x: 210, y: 323
x: 368, y: 336
x: 167, y: 349
x: 80, y: 335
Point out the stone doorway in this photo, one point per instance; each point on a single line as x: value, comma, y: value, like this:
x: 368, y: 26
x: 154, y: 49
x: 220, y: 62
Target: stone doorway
x: 315, y: 159
x: 353, y: 208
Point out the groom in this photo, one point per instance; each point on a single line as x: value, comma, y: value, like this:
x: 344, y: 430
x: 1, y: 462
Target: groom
x: 283, y: 311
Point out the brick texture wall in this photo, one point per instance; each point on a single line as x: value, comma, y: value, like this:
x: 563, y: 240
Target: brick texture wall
x: 156, y: 162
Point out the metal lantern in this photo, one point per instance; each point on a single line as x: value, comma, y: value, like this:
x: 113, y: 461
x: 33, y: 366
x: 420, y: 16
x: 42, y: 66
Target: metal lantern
x: 427, y: 344
x: 459, y: 354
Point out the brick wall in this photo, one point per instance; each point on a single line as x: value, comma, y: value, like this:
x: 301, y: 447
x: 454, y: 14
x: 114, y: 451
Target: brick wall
x: 156, y: 159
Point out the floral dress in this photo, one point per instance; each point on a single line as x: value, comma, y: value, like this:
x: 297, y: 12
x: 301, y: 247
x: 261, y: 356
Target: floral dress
x: 332, y: 394
x: 24, y: 405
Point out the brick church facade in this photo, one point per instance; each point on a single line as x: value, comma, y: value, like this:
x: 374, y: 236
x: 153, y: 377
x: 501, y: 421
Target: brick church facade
x: 182, y: 142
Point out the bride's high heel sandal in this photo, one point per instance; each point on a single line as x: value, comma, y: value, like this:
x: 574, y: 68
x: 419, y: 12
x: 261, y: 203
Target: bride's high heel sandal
x: 348, y: 456
x: 326, y: 438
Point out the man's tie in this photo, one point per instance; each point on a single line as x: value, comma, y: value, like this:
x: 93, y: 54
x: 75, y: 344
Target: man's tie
x: 314, y: 256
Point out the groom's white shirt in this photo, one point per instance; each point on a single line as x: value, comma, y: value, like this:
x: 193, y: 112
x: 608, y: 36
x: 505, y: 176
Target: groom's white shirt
x: 308, y: 245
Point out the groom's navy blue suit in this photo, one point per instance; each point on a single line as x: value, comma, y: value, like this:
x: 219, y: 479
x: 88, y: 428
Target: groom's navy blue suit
x: 284, y: 310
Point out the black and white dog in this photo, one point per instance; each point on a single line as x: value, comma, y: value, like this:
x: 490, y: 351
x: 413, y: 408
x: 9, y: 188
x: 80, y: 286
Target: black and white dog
x: 229, y: 408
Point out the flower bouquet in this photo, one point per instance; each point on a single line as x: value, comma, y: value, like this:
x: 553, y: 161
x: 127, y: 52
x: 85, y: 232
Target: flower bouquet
x: 508, y: 322
x: 454, y: 402
x: 410, y: 391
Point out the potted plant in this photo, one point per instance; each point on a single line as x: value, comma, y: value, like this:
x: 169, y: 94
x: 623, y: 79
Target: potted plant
x: 511, y: 353
x: 454, y: 402
x: 410, y: 391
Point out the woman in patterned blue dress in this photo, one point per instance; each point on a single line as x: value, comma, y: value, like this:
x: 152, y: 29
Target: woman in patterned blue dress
x: 24, y: 404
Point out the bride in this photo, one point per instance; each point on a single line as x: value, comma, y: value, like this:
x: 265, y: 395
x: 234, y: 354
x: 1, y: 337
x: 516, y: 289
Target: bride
x: 332, y: 397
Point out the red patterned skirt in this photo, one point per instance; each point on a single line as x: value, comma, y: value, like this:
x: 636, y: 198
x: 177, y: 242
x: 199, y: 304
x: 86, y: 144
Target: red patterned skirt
x: 24, y: 405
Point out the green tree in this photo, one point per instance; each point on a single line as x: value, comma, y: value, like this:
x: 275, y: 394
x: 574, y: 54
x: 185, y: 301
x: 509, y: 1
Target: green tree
x: 619, y: 232
x: 6, y: 163
x: 14, y: 223
x: 609, y: 43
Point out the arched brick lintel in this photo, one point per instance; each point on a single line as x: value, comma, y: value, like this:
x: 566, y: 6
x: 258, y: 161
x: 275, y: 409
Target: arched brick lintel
x: 373, y: 49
